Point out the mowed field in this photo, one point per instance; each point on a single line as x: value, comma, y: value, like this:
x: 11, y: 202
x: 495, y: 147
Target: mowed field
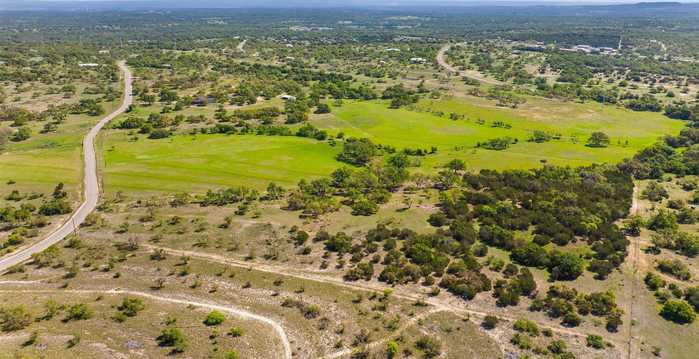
x: 201, y: 162
x: 629, y: 131
x: 39, y: 163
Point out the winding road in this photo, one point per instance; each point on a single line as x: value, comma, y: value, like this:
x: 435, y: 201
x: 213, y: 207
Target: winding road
x: 91, y: 185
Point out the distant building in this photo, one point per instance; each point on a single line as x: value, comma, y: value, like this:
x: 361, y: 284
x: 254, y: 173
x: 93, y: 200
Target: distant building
x: 286, y: 97
x: 103, y: 52
x: 203, y: 101
x: 587, y: 49
x: 393, y: 49
x: 418, y: 60
x: 88, y: 64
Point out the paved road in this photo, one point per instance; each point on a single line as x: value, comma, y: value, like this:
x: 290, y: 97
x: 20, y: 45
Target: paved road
x: 441, y: 60
x: 91, y: 186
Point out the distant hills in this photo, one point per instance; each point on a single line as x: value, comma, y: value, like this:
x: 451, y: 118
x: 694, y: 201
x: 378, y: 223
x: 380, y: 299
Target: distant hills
x: 98, y: 5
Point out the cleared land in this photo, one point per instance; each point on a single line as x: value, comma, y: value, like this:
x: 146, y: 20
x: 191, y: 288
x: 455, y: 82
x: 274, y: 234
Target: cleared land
x: 202, y: 162
x: 457, y: 138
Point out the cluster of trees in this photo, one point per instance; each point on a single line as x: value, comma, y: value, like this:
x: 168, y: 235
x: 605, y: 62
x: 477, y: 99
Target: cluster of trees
x: 497, y: 144
x: 228, y: 196
x: 678, y: 305
x: 26, y: 218
x: 562, y: 205
x: 400, y: 96
x: 363, y: 189
x: 669, y: 236
x: 676, y: 155
x: 155, y: 125
x: 569, y: 305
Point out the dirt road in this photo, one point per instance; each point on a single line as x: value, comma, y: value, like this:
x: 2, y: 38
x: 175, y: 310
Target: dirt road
x: 169, y: 299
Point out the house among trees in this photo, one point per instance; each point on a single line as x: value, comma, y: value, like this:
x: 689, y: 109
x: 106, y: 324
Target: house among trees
x: 286, y: 97
x: 203, y: 101
x: 88, y: 64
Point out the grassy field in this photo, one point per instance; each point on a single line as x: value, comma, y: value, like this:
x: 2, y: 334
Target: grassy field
x: 629, y: 131
x: 198, y: 163
x: 39, y: 163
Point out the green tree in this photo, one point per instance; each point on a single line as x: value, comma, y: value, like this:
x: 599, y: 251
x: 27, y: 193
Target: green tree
x: 357, y: 152
x: 598, y: 139
x: 678, y: 311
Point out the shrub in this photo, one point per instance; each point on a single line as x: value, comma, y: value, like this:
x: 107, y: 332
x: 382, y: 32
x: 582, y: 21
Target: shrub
x: 526, y: 326
x: 490, y: 322
x: 79, y: 311
x: 653, y: 281
x: 16, y: 318
x: 675, y: 268
x: 522, y: 341
x: 159, y: 133
x: 214, y: 318
x: 571, y: 319
x: 236, y: 332
x: 391, y: 349
x: 322, y: 108
x: 497, y: 144
x: 172, y: 337
x: 557, y: 347
x: 429, y: 347
x: 655, y: 192
x: 131, y: 306
x: 595, y: 341
x: 678, y: 311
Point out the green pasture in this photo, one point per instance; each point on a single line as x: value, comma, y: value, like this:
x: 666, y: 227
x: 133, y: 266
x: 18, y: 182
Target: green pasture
x: 201, y: 162
x: 402, y: 128
x: 39, y: 163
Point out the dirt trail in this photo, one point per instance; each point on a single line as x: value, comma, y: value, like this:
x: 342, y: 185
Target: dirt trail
x: 437, y: 303
x: 634, y: 255
x: 412, y: 321
x: 200, y: 303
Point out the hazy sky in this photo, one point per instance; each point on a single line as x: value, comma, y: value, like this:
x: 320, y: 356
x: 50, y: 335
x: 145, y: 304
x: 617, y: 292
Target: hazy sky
x: 378, y: 1
x: 139, y: 4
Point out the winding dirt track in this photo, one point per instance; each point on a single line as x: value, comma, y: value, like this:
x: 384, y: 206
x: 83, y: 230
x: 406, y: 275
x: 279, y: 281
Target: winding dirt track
x: 439, y: 305
x: 90, y: 183
x: 224, y: 308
